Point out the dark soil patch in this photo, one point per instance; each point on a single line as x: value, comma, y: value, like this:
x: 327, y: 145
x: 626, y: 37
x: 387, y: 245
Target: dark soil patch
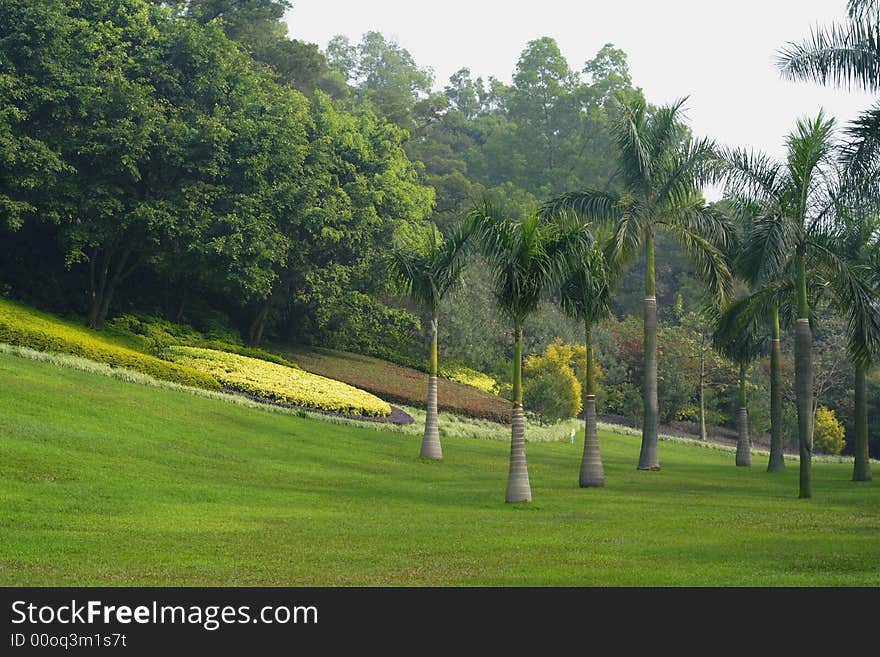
x: 398, y: 416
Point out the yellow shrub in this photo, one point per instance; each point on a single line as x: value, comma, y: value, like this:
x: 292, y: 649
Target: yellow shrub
x: 26, y: 327
x: 280, y: 383
x: 469, y: 377
x: 828, y: 433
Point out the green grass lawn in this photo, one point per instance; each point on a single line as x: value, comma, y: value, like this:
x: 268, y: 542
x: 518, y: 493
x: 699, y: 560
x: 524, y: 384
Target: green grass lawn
x: 103, y: 482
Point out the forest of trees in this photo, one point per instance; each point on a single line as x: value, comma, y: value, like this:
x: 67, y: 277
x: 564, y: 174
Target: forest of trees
x: 191, y: 161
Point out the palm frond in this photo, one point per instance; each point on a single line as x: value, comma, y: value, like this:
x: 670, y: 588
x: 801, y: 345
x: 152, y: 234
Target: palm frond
x: 844, y: 54
x: 751, y: 175
x: 586, y: 288
x: 590, y: 205
x: 635, y: 152
x: 686, y: 170
x: 861, y: 152
x: 665, y: 129
x: 628, y: 234
x: 741, y: 333
x: 695, y: 228
x: 526, y: 255
x: 855, y: 297
x: 767, y: 248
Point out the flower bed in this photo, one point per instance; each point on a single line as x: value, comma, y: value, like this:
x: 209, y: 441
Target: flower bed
x: 279, y: 383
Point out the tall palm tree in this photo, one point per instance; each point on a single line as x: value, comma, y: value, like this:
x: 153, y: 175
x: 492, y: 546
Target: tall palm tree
x: 857, y: 237
x: 585, y: 295
x: 796, y: 202
x: 749, y: 314
x: 660, y: 169
x: 526, y: 256
x: 742, y: 342
x: 428, y: 272
x: 774, y: 300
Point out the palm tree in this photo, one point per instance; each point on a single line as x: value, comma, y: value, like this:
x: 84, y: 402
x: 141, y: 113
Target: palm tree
x: 742, y: 342
x: 660, y: 168
x: 858, y: 239
x: 428, y: 272
x: 796, y: 204
x: 585, y: 295
x: 749, y: 313
x: 526, y: 256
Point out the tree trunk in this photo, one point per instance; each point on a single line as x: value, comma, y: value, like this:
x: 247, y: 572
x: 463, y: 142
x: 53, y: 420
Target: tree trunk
x: 803, y: 381
x: 648, y: 457
x: 431, y: 440
x: 184, y: 297
x: 777, y: 459
x: 592, y: 472
x: 103, y: 289
x: 255, y: 332
x: 518, y: 487
x: 862, y: 464
x: 97, y: 286
x: 704, y: 435
x: 743, y: 444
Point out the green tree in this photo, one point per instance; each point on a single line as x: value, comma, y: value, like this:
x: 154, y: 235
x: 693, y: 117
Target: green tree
x: 857, y: 300
x: 793, y: 233
x: 742, y: 343
x: 660, y: 169
x: 428, y: 272
x: 585, y: 295
x: 526, y: 256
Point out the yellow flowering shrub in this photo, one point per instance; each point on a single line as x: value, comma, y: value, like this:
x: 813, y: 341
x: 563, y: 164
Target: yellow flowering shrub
x: 279, y: 383
x: 469, y: 377
x: 26, y: 327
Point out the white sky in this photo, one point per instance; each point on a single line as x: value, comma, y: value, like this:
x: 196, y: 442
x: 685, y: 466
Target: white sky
x: 721, y: 54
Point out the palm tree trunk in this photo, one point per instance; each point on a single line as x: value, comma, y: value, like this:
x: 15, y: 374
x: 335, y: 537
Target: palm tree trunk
x: 648, y: 457
x: 518, y: 487
x: 803, y: 380
x: 431, y: 440
x: 704, y: 435
x: 862, y: 465
x: 777, y: 460
x: 592, y: 472
x: 743, y: 444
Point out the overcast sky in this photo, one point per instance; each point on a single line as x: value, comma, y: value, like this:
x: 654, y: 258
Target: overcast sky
x: 721, y: 54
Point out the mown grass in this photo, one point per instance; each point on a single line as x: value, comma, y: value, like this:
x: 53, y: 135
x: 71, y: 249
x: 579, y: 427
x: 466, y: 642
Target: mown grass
x: 108, y: 483
x: 397, y: 384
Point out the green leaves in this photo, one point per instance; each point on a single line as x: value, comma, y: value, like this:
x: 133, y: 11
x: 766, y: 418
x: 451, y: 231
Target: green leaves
x: 526, y: 255
x: 845, y: 54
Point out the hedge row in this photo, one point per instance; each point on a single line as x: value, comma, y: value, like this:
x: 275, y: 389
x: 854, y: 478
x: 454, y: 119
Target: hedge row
x: 26, y: 327
x: 280, y: 383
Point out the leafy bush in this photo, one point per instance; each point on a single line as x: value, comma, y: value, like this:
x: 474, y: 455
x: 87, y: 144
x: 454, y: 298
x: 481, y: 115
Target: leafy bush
x: 154, y: 335
x: 550, y: 386
x: 828, y: 434
x: 26, y: 327
x: 279, y: 382
x: 469, y: 377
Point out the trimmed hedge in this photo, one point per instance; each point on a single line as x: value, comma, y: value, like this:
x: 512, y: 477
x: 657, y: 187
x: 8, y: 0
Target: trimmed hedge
x: 25, y: 327
x: 280, y: 383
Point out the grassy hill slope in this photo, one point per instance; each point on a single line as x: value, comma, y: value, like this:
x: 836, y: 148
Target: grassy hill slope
x: 108, y: 483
